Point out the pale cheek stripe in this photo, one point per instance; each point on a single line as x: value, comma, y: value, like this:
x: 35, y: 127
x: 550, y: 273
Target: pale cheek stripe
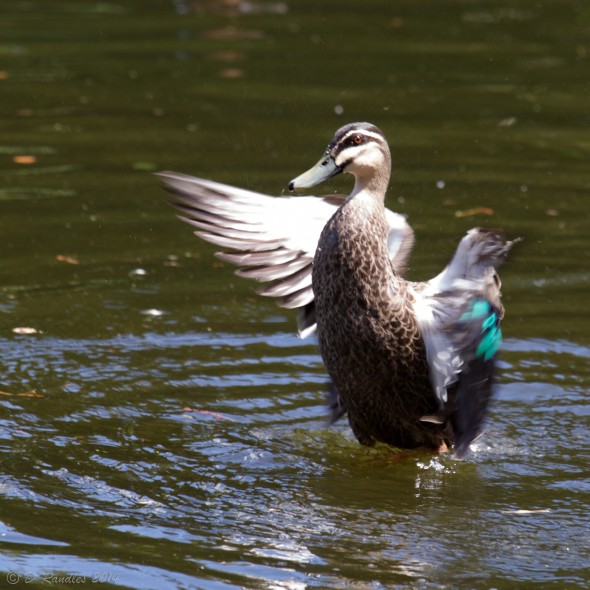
x: 359, y: 151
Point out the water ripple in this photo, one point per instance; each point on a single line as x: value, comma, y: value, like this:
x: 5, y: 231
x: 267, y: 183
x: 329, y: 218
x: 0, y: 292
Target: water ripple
x: 218, y: 440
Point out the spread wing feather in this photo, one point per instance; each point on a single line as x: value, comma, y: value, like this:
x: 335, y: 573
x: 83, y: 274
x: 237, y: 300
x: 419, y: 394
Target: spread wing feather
x: 272, y: 239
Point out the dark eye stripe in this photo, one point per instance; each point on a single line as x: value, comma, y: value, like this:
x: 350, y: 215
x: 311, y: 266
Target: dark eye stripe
x: 346, y: 136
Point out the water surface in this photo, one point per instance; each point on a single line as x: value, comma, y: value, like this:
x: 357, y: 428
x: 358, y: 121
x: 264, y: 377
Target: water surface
x: 161, y: 425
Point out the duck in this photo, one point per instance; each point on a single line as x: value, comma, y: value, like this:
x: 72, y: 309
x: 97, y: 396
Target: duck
x: 411, y: 364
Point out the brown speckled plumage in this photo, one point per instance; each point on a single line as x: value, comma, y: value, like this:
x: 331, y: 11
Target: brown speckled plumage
x: 369, y: 337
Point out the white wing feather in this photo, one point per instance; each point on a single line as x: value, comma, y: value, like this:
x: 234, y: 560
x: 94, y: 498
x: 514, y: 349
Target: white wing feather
x: 272, y: 239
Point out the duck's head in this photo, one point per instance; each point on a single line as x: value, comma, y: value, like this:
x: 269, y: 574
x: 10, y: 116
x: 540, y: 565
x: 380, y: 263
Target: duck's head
x: 358, y: 148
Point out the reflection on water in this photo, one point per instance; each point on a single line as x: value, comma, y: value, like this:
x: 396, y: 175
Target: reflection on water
x: 161, y: 426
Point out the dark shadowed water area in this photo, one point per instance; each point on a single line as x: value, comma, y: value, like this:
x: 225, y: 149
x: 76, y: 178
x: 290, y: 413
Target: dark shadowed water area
x: 161, y: 425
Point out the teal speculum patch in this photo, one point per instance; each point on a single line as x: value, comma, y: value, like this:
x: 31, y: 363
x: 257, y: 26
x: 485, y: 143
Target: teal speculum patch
x: 491, y: 338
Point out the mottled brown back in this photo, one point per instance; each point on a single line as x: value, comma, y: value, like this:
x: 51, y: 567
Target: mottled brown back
x: 369, y: 338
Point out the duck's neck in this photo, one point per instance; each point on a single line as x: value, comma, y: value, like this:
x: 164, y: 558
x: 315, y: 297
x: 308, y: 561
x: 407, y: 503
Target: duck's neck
x: 363, y: 227
x: 373, y: 183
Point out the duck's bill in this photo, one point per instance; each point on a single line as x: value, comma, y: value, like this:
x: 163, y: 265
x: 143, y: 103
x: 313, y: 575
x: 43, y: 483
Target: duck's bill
x: 324, y: 169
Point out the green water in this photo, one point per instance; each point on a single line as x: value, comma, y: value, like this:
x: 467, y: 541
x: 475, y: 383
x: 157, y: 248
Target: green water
x: 186, y: 447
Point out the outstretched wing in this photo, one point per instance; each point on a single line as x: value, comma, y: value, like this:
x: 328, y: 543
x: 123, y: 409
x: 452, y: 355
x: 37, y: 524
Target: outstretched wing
x: 271, y: 239
x: 459, y: 312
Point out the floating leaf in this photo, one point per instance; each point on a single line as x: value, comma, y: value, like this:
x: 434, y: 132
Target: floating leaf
x: 24, y: 159
x: 474, y: 211
x: 67, y: 259
x: 31, y: 393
